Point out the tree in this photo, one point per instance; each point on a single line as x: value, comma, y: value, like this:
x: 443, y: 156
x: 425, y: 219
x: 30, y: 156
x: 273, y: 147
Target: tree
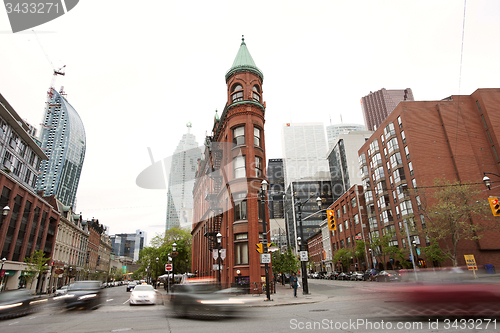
x: 344, y: 257
x: 449, y: 219
x: 35, y: 266
x: 382, y: 246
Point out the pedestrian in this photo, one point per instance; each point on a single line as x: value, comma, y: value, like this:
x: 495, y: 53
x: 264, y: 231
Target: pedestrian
x: 293, y: 282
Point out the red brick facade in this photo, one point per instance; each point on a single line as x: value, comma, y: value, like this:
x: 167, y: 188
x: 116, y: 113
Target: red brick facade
x: 455, y: 139
x: 227, y: 200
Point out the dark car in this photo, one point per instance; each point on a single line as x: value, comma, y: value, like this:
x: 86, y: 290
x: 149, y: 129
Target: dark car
x: 83, y: 294
x: 14, y: 303
x: 387, y: 276
x: 332, y: 276
x: 344, y: 276
x: 203, y: 300
x: 131, y: 285
x: 370, y: 274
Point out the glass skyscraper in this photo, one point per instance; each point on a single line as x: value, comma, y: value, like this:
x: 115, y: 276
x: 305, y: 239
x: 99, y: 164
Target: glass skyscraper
x: 63, y: 141
x: 181, y: 181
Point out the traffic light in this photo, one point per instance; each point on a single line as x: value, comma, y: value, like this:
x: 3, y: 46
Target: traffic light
x: 495, y: 206
x: 330, y: 215
x: 260, y: 247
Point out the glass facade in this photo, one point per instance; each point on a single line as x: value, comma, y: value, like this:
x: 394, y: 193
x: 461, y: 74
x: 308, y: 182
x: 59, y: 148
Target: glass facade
x: 63, y: 140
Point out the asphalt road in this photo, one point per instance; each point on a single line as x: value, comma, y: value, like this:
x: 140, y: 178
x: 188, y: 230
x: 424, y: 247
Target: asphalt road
x: 350, y: 307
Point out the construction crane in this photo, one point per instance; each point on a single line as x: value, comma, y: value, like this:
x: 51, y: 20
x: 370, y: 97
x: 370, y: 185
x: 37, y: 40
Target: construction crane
x: 61, y: 71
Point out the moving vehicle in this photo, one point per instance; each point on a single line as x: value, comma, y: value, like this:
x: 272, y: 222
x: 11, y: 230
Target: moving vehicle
x: 131, y: 285
x: 145, y: 294
x: 14, y: 303
x: 387, y: 276
x: 83, y: 294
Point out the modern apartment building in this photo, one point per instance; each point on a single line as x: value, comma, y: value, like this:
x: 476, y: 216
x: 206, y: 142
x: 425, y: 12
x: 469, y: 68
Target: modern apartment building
x: 333, y: 131
x: 63, y: 140
x: 128, y: 245
x: 377, y: 105
x: 454, y: 139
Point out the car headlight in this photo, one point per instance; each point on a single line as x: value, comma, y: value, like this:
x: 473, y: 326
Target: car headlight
x: 9, y: 306
x: 87, y: 296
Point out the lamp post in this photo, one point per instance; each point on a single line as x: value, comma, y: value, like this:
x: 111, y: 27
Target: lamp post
x: 168, y: 279
x: 305, y: 288
x: 219, y: 240
x: 173, y: 255
x: 157, y: 261
x: 263, y: 189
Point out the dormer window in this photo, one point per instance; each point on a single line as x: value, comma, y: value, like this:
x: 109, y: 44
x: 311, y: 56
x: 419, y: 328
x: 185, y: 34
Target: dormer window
x: 256, y: 94
x: 237, y: 93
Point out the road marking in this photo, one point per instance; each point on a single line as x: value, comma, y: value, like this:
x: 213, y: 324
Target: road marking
x: 108, y: 300
x: 126, y: 301
x: 121, y: 329
x: 16, y: 322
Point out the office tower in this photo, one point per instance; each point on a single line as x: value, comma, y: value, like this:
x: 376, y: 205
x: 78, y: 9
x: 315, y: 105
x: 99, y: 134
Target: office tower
x: 63, y: 140
x: 128, y: 245
x: 379, y: 104
x: 304, y: 152
x: 343, y: 161
x: 333, y: 131
x: 181, y: 181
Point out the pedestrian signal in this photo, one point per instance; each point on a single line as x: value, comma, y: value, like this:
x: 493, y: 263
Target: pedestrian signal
x: 260, y: 247
x: 330, y: 215
x: 495, y: 206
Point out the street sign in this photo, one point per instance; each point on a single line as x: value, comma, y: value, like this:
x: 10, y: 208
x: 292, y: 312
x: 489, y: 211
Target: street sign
x: 304, y: 256
x: 265, y: 258
x: 216, y: 267
x: 168, y: 267
x: 223, y: 254
x: 471, y: 262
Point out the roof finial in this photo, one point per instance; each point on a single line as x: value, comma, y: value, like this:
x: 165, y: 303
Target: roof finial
x: 242, y: 39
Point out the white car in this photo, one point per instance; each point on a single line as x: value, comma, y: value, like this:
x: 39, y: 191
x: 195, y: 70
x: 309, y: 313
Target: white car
x: 62, y: 291
x: 145, y: 294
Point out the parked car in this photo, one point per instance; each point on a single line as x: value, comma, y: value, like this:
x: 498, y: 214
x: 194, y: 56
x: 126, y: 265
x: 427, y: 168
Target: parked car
x: 357, y: 276
x: 321, y: 275
x: 387, y: 276
x: 145, y: 294
x: 61, y: 291
x: 369, y: 274
x: 332, y: 276
x: 344, y: 276
x: 83, y: 294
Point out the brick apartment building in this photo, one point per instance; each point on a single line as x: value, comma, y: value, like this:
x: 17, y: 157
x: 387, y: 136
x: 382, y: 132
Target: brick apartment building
x: 226, y: 190
x: 420, y: 141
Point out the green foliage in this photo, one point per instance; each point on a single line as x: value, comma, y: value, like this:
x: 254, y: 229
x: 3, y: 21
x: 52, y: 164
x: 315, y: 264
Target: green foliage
x: 359, y: 251
x: 285, y: 262
x: 382, y: 249
x: 433, y: 252
x: 35, y: 265
x: 344, y: 257
x: 449, y: 217
x: 162, y: 247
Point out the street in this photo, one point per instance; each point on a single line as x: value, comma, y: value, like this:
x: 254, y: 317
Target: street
x: 350, y: 306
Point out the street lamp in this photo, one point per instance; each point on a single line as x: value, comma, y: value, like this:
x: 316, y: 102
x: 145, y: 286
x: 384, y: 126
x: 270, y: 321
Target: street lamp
x: 263, y: 187
x: 173, y: 255
x: 219, y: 240
x: 168, y: 279
x: 487, y: 180
x: 157, y: 259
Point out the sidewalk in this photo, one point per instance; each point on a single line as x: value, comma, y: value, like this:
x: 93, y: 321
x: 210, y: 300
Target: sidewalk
x: 283, y: 296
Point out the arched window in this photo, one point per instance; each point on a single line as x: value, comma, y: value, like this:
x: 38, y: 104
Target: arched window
x: 237, y: 93
x: 256, y: 94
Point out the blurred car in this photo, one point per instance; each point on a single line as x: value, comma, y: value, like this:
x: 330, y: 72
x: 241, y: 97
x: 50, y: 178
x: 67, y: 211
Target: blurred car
x: 145, y: 294
x: 83, y: 294
x: 131, y: 285
x: 357, y: 276
x: 322, y: 275
x: 343, y: 276
x: 387, y: 276
x: 332, y: 276
x: 203, y: 300
x: 14, y: 303
x: 369, y: 274
x: 61, y: 291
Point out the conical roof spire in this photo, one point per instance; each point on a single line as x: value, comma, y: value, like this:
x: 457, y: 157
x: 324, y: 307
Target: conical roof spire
x: 244, y: 62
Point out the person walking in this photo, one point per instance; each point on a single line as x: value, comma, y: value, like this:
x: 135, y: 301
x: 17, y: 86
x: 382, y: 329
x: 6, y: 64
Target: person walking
x: 294, y: 283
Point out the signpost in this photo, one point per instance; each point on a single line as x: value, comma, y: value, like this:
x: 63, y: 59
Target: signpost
x: 168, y: 267
x: 471, y: 263
x: 265, y: 258
x: 304, y: 256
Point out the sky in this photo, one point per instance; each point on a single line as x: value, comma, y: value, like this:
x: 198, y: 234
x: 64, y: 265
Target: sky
x: 138, y: 71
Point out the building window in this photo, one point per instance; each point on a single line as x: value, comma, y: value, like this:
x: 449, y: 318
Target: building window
x: 239, y: 166
x: 399, y: 122
x: 239, y: 136
x: 241, y: 253
x: 256, y: 94
x: 237, y: 93
x: 356, y: 219
x: 256, y: 137
x: 410, y: 166
x: 258, y: 167
x: 403, y: 137
x: 407, y: 152
x: 346, y: 223
x: 240, y: 207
